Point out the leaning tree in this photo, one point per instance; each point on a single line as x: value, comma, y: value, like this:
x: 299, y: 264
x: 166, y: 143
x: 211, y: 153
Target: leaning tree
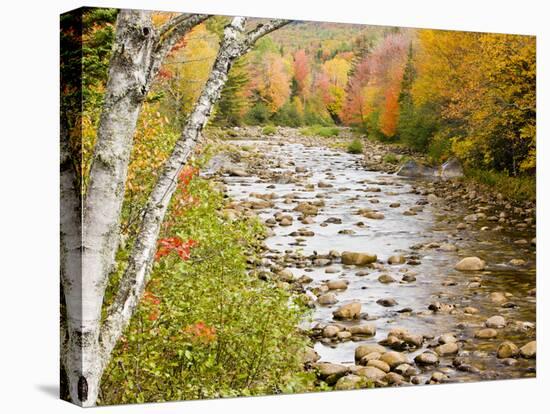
x: 90, y: 218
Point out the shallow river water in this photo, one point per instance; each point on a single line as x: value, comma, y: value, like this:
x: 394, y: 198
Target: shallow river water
x: 353, y: 187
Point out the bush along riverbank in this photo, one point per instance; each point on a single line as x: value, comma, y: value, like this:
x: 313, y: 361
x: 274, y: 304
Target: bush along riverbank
x: 207, y: 325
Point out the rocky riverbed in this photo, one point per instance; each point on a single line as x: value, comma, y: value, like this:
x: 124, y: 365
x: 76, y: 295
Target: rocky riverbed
x: 410, y: 281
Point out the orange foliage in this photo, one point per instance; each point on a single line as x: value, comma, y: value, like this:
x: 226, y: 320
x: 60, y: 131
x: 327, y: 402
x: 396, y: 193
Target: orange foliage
x: 177, y: 245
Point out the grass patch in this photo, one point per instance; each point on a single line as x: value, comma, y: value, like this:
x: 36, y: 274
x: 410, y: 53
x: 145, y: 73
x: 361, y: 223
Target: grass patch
x: 319, y: 130
x: 269, y: 130
x: 355, y: 146
x: 521, y: 188
x: 390, y: 158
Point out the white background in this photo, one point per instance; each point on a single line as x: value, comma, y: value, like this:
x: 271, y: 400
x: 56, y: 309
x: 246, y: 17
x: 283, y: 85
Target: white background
x: 29, y: 206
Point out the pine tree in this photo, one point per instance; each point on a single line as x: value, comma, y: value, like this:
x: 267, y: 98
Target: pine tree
x: 233, y: 103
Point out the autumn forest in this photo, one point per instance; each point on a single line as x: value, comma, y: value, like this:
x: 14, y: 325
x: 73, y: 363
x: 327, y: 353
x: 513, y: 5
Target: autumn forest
x: 273, y: 206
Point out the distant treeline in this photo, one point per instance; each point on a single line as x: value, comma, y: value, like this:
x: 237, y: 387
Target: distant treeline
x: 444, y: 93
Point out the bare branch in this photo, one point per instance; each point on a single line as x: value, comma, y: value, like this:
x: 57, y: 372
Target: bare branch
x: 263, y: 29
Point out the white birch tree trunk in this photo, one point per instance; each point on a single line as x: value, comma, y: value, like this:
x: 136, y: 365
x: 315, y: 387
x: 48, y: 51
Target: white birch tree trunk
x: 90, y: 225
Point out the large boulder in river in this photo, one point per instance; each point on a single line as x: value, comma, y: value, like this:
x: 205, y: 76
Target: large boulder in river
x: 367, y: 329
x: 309, y: 355
x: 470, y: 264
x: 507, y: 349
x: 349, y: 311
x: 331, y: 372
x: 496, y: 321
x: 306, y: 209
x: 327, y: 299
x: 529, y: 350
x: 372, y: 374
x: 413, y: 169
x: 451, y: 169
x: 363, y: 350
x: 393, y: 358
x: 350, y: 382
x: 358, y: 259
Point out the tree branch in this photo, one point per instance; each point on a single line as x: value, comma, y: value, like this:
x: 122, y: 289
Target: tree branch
x: 169, y: 35
x: 263, y: 29
x: 235, y: 43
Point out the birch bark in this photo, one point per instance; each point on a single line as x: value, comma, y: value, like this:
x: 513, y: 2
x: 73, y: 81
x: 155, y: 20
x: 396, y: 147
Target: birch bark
x: 90, y: 225
x: 89, y: 246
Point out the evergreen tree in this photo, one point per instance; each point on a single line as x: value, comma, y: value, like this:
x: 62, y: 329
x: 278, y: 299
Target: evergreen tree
x: 233, y: 102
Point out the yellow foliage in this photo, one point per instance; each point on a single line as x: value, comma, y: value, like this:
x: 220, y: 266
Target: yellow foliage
x: 337, y: 70
x: 484, y: 85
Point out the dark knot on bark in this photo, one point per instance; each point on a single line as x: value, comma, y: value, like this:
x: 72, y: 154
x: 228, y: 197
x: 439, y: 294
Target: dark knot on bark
x: 82, y: 389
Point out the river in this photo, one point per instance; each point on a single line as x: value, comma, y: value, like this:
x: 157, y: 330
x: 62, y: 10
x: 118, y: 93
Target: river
x: 346, y: 186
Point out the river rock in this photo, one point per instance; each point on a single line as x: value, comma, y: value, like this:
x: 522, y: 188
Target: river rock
x: 413, y: 169
x: 470, y: 310
x: 349, y: 311
x: 496, y: 321
x: 372, y: 374
x: 387, y: 302
x: 396, y: 259
x: 393, y: 358
x: 332, y: 269
x: 235, y: 171
x: 405, y: 369
x: 338, y: 284
x: 507, y: 349
x: 487, y: 333
x: 432, y: 198
x: 393, y: 378
x: 358, y: 259
x: 447, y: 349
x: 306, y: 209
x: 369, y: 357
x: 304, y: 279
x: 408, y: 278
x: 309, y: 355
x: 364, y: 350
x: 286, y: 275
x: 385, y: 278
x: 260, y: 204
x: 367, y: 329
x: 327, y: 299
x: 438, y: 377
x: 285, y: 222
x: 426, y: 358
x: 381, y: 365
x: 451, y: 169
x: 331, y: 372
x: 517, y: 262
x: 470, y: 264
x: 413, y: 340
x: 447, y: 338
x: 498, y: 297
x: 529, y: 350
x: 350, y: 382
x: 448, y: 247
x: 330, y: 331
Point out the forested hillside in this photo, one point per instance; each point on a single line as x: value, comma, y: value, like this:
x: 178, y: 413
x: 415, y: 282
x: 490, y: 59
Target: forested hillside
x: 444, y: 93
